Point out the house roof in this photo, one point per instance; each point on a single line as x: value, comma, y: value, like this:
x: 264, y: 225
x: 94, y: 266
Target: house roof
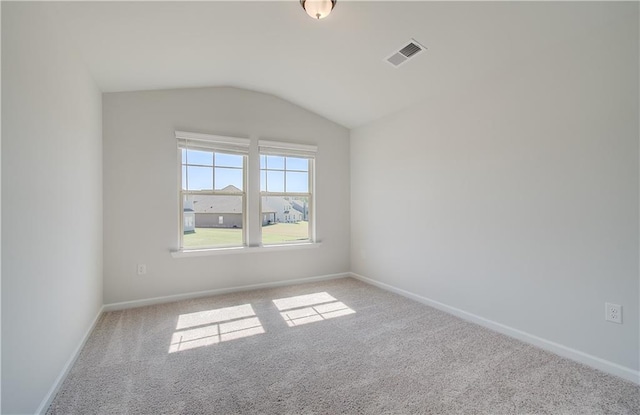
x: 231, y: 188
x: 232, y: 204
x: 216, y: 204
x: 272, y: 204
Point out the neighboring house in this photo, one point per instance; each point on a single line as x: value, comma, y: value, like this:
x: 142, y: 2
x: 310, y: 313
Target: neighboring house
x: 268, y: 215
x: 217, y: 211
x: 189, y: 218
x: 302, y: 207
x: 278, y: 209
x: 214, y: 211
x: 209, y: 211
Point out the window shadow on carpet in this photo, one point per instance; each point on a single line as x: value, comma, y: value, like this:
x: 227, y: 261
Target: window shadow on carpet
x: 304, y: 309
x: 208, y: 327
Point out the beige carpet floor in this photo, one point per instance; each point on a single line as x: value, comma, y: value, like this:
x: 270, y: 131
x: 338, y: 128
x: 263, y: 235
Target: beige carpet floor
x: 335, y: 347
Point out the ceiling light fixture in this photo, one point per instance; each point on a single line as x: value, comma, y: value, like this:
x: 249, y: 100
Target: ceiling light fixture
x: 318, y: 9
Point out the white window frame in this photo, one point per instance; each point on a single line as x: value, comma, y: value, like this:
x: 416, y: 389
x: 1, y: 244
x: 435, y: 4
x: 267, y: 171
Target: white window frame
x: 251, y: 213
x: 214, y: 144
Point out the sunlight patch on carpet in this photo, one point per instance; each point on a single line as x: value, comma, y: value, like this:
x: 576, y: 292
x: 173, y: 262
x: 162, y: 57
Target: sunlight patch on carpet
x: 304, y: 309
x: 208, y: 327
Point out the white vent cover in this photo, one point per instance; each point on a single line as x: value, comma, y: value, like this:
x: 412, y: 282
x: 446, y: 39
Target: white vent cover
x: 405, y: 53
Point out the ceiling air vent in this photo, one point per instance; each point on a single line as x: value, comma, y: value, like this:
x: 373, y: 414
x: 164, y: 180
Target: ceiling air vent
x: 405, y: 53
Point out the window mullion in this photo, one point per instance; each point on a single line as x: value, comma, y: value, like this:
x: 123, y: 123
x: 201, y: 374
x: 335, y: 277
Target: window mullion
x: 253, y: 234
x: 186, y: 169
x: 213, y: 173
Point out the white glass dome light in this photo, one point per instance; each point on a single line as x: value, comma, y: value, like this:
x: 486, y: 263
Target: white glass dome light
x: 318, y: 9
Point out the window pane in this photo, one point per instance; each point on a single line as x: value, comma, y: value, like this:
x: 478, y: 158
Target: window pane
x: 297, y: 182
x: 275, y: 162
x: 275, y: 181
x: 204, y: 158
x: 200, y: 178
x: 228, y: 160
x: 228, y: 179
x: 294, y: 163
x: 263, y: 161
x: 184, y: 177
x: 212, y: 221
x: 284, y: 219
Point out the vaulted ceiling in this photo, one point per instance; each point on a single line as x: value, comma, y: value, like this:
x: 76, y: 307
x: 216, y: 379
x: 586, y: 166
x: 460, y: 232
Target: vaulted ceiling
x: 334, y: 67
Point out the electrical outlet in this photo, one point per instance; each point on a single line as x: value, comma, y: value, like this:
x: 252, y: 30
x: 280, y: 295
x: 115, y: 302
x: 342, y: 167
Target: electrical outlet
x: 613, y: 313
x: 142, y: 269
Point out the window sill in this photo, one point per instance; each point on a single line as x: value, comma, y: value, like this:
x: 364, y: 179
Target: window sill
x: 243, y: 250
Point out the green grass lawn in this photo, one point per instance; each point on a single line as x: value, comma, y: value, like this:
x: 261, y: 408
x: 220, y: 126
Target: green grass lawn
x: 285, y: 232
x: 204, y: 237
x: 271, y: 234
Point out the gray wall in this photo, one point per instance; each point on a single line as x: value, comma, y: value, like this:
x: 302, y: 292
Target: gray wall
x: 211, y: 220
x: 140, y: 168
x: 527, y: 184
x: 51, y: 170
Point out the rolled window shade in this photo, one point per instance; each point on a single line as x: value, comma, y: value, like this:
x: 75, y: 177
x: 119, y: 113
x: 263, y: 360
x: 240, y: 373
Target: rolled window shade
x: 208, y: 142
x: 277, y: 148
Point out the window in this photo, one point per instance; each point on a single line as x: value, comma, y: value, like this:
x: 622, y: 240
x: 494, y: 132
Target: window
x: 212, y: 191
x: 286, y: 180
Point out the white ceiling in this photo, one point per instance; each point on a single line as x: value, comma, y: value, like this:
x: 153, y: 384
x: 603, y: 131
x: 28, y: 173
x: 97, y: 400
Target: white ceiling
x: 334, y: 67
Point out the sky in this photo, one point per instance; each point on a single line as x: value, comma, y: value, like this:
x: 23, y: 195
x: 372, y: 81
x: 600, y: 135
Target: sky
x: 202, y: 170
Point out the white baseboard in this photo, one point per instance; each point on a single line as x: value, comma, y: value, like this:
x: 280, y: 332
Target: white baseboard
x: 198, y: 294
x: 44, y: 405
x: 564, y: 351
